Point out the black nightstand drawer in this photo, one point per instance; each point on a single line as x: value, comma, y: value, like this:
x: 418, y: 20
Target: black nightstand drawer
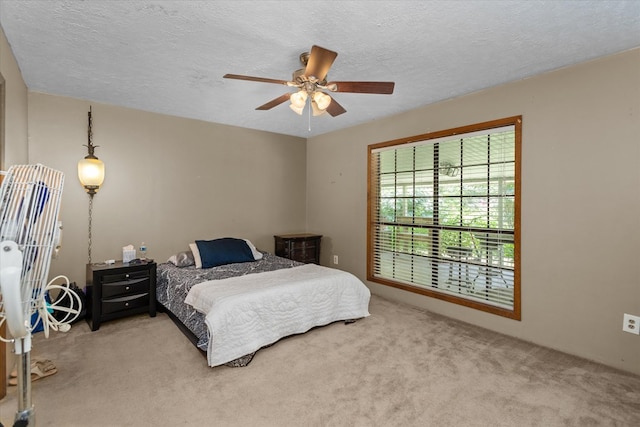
x: 125, y: 288
x: 125, y: 277
x: 124, y: 303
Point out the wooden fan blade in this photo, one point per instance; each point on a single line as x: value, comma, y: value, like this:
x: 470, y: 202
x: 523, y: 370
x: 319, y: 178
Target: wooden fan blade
x: 383, y: 88
x: 274, y: 102
x: 334, y: 108
x: 320, y: 60
x: 254, y: 79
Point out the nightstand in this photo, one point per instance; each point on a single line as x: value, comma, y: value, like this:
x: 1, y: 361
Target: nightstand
x: 120, y: 290
x: 303, y: 247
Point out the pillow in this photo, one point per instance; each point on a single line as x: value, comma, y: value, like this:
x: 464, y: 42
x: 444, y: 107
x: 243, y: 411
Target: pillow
x: 182, y: 259
x: 213, y: 253
x: 256, y: 253
x: 196, y: 254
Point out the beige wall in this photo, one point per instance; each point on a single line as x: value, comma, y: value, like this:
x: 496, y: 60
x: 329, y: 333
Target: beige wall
x: 580, y: 202
x: 15, y: 120
x: 169, y: 181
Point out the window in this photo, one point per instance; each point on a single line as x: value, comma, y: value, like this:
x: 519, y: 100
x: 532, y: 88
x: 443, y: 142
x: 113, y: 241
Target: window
x: 443, y: 215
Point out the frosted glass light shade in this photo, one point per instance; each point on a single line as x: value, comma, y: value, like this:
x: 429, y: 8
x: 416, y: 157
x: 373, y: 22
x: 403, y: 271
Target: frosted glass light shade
x: 91, y: 173
x: 299, y: 99
x: 316, y: 110
x: 322, y: 99
x: 298, y: 110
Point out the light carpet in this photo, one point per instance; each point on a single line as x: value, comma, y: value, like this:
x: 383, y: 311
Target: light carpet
x: 401, y: 366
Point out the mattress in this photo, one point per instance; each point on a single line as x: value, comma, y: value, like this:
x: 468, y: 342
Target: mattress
x: 247, y: 313
x: 174, y: 283
x: 275, y: 296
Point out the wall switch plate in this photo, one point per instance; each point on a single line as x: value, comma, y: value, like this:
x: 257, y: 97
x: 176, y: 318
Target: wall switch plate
x: 335, y: 259
x: 631, y: 324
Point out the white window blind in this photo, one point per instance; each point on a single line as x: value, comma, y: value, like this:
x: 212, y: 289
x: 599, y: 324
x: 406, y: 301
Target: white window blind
x: 443, y: 217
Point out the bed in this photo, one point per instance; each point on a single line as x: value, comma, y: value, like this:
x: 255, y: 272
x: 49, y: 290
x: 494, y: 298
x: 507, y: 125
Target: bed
x: 232, y: 309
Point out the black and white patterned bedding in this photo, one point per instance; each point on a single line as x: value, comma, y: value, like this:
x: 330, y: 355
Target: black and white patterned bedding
x: 174, y: 283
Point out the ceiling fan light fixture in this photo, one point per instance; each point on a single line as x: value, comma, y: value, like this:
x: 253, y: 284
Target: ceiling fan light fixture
x: 322, y: 100
x: 297, y: 110
x: 299, y: 99
x: 316, y: 111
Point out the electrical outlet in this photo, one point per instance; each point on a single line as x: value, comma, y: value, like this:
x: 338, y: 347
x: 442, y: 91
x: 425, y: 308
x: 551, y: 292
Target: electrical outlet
x: 631, y: 324
x: 335, y: 259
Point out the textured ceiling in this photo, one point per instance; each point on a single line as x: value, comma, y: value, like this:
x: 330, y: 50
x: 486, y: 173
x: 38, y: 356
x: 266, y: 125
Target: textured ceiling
x: 169, y: 56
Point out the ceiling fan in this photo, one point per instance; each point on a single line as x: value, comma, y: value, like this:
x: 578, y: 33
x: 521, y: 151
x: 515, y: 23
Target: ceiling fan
x: 311, y: 81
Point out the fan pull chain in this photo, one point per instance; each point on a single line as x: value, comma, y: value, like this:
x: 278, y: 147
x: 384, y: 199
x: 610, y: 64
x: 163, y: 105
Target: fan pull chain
x: 90, y: 214
x: 309, y: 114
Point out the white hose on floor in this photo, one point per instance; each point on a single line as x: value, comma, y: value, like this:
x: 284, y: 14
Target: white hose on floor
x: 45, y: 309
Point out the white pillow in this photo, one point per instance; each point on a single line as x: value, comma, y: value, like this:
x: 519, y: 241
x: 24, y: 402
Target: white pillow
x: 256, y: 253
x: 196, y: 254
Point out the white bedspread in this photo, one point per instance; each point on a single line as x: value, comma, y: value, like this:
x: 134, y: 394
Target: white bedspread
x: 246, y: 313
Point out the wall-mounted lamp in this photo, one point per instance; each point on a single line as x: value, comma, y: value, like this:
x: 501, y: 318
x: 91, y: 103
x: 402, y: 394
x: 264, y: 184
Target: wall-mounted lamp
x: 91, y: 169
x: 91, y: 174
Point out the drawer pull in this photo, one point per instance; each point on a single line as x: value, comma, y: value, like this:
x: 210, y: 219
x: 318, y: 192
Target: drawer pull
x: 126, y: 275
x: 127, y: 288
x: 126, y: 304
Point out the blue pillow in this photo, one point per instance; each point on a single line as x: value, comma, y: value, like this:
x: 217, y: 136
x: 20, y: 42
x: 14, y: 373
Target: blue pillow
x: 223, y: 251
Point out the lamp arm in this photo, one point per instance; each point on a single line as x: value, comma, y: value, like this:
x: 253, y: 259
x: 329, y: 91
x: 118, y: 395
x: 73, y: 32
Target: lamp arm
x: 90, y: 148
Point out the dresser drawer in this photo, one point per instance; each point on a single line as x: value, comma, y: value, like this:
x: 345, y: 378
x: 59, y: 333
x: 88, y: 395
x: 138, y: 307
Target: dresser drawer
x: 303, y: 247
x: 303, y: 254
x: 127, y: 287
x: 125, y: 303
x: 306, y: 258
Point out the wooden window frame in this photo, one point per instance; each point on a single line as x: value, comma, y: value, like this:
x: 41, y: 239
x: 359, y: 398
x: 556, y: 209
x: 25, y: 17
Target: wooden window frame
x: 513, y: 312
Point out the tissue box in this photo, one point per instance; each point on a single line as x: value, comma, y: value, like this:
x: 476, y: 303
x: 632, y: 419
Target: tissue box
x: 128, y: 255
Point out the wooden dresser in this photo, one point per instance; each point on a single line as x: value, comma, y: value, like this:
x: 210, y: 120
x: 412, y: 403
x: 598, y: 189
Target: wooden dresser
x: 303, y: 247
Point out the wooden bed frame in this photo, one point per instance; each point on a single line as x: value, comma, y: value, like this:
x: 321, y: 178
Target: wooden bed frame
x: 190, y: 335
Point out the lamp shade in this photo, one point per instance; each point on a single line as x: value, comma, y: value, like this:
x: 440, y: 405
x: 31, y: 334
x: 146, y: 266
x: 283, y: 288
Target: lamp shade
x: 299, y: 99
x: 91, y: 173
x: 298, y: 110
x: 322, y: 99
x: 316, y: 110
